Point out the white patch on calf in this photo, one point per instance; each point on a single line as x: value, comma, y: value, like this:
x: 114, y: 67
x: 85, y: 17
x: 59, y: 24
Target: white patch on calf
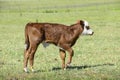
x: 60, y: 47
x: 64, y: 69
x: 25, y: 46
x: 90, y: 31
x: 26, y: 70
x: 86, y: 23
x: 87, y: 32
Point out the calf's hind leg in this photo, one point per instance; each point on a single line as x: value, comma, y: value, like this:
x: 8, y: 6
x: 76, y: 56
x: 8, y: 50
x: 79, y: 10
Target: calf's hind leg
x: 33, y: 49
x: 26, y: 57
x: 29, y: 55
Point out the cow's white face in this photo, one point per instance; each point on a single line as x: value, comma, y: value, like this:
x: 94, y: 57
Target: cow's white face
x: 87, y: 30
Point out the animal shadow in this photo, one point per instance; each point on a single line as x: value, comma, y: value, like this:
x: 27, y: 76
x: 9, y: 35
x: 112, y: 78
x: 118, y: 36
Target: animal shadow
x: 83, y: 67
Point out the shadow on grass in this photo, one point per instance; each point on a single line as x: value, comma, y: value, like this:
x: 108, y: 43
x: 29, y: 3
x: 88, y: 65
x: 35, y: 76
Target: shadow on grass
x: 76, y: 67
x: 83, y: 67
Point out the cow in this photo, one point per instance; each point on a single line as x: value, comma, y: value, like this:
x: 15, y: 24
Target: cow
x: 60, y: 35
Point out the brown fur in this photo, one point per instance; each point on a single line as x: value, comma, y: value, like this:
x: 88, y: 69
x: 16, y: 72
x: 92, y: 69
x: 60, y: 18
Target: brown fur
x: 57, y: 34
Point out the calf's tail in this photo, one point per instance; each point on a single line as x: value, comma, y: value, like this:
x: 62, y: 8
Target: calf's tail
x: 27, y: 43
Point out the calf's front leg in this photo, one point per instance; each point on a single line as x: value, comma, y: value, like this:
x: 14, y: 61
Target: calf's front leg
x: 71, y: 54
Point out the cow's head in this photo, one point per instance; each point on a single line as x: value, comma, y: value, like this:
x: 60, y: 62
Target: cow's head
x: 86, y: 28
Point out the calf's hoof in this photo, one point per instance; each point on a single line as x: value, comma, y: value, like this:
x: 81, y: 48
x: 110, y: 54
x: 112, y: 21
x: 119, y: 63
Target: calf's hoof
x: 26, y: 70
x: 68, y: 65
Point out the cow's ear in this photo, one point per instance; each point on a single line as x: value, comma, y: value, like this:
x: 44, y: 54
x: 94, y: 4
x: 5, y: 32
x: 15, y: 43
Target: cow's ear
x: 81, y: 22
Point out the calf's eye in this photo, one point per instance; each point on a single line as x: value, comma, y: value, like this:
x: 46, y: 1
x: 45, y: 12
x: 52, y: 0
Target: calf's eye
x: 87, y: 27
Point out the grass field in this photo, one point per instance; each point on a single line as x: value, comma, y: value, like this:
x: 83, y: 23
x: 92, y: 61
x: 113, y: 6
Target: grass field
x: 96, y: 57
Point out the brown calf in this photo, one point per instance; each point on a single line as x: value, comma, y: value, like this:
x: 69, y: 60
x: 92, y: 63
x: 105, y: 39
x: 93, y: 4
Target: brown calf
x: 58, y: 34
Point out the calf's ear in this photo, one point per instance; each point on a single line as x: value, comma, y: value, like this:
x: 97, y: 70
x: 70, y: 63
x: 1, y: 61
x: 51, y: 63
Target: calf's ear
x: 82, y: 23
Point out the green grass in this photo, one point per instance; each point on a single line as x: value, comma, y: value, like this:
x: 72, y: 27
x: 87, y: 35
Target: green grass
x: 96, y: 57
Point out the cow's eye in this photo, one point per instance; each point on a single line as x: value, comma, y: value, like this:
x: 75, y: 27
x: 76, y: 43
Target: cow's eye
x: 87, y: 27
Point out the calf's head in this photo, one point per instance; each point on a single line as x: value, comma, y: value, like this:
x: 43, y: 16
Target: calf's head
x: 86, y: 28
